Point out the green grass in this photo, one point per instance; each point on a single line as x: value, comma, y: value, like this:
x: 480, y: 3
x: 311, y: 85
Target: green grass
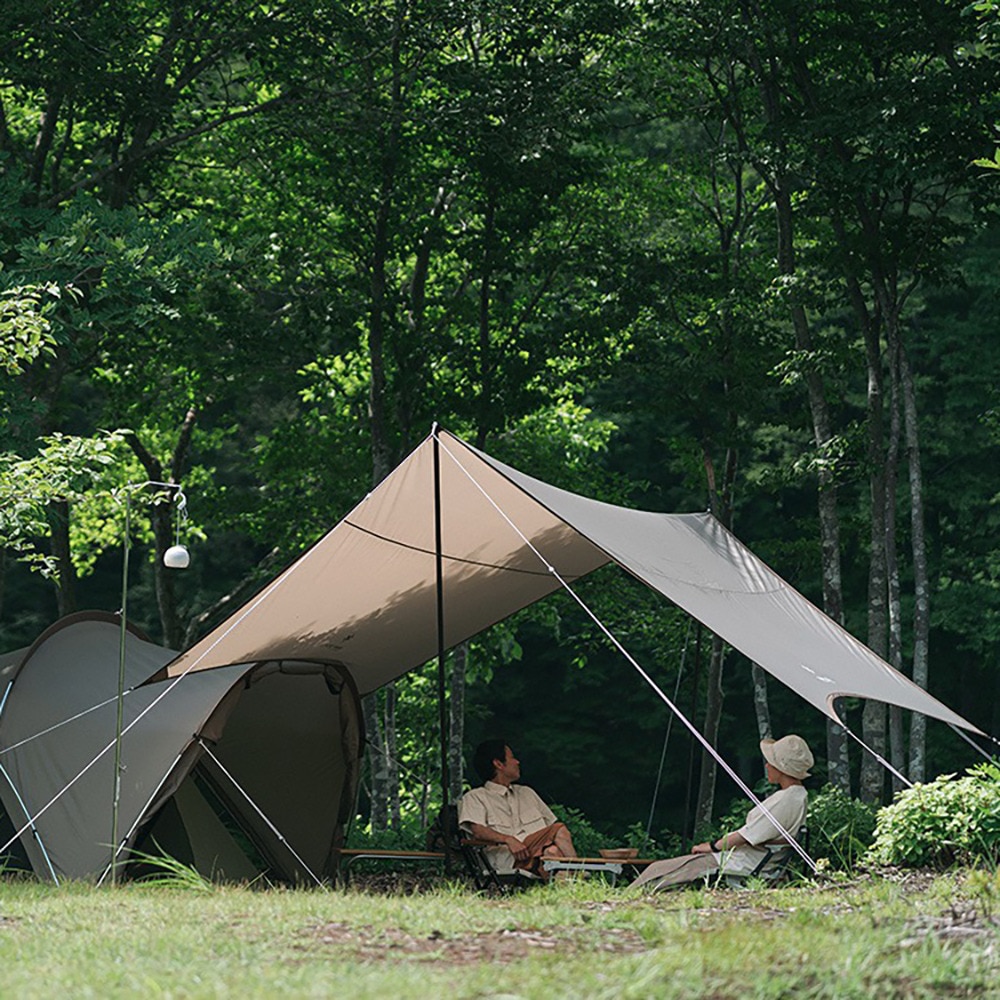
x: 888, y: 937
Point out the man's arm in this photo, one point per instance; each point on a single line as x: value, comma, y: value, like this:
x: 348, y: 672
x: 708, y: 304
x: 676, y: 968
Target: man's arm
x: 480, y: 832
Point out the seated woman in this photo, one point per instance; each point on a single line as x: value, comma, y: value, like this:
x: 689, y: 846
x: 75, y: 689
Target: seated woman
x: 788, y: 761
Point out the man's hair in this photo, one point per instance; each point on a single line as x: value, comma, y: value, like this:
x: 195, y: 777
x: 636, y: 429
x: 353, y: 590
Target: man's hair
x: 487, y: 752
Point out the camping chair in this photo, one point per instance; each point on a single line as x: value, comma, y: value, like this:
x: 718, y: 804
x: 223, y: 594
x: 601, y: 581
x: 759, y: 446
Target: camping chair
x: 778, y: 864
x: 482, y: 871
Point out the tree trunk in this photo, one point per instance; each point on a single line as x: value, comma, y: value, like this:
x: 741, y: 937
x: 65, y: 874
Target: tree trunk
x: 897, y: 747
x: 761, y: 707
x: 392, y: 758
x: 838, y: 763
x: 921, y: 581
x: 710, y: 730
x: 897, y: 743
x: 59, y: 514
x: 384, y: 791
x: 873, y: 719
x: 162, y: 517
x: 377, y: 763
x: 720, y: 505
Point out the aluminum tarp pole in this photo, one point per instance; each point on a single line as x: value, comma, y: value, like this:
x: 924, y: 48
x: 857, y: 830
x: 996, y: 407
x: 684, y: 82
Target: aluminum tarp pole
x: 442, y: 686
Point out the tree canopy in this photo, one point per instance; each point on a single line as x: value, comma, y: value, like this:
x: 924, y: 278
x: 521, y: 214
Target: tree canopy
x: 735, y: 255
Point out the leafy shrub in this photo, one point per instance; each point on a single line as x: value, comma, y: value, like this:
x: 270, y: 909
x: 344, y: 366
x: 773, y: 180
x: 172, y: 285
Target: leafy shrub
x: 950, y: 820
x: 666, y: 844
x: 587, y: 839
x: 411, y: 836
x: 841, y: 829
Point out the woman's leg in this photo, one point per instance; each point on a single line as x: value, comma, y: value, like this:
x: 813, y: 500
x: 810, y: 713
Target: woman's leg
x: 676, y: 871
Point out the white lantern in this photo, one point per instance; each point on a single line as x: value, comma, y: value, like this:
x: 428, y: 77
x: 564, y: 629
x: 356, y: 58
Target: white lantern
x: 177, y: 557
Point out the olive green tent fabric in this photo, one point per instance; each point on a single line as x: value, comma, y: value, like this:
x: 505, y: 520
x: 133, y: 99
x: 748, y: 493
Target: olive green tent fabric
x: 278, y: 739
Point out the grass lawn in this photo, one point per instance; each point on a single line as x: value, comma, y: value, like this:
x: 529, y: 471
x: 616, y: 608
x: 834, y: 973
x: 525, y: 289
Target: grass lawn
x: 889, y: 936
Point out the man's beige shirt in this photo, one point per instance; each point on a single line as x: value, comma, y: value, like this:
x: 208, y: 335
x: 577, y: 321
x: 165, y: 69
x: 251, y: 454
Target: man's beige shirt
x: 514, y: 811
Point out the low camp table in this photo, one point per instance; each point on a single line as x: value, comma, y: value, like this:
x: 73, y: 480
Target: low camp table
x: 610, y: 867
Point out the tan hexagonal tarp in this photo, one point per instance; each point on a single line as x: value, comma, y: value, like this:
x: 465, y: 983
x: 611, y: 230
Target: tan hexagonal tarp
x: 365, y: 595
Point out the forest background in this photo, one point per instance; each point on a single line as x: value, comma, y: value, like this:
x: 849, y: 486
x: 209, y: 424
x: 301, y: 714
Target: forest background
x: 736, y: 255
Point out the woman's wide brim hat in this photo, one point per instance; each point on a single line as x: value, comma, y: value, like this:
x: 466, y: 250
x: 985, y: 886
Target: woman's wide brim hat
x: 790, y: 754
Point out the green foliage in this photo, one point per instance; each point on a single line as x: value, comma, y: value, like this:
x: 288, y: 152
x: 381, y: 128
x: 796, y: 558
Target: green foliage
x: 840, y: 828
x: 947, y: 821
x: 586, y: 838
x: 528, y: 223
x: 410, y: 836
x: 66, y: 468
x: 25, y: 329
x: 168, y: 873
x: 666, y: 844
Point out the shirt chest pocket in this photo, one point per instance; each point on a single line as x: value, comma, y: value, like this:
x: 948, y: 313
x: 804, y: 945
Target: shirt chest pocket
x: 529, y: 816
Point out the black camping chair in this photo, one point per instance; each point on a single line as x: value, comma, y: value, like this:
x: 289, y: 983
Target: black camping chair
x: 445, y: 834
x: 779, y: 864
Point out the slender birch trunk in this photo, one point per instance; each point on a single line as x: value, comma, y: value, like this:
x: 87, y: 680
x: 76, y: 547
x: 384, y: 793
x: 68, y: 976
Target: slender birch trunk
x: 897, y: 742
x: 384, y: 790
x: 873, y: 720
x: 377, y: 763
x: 710, y: 730
x: 59, y: 515
x: 762, y: 709
x: 392, y: 759
x: 719, y: 503
x: 921, y: 581
x: 838, y: 762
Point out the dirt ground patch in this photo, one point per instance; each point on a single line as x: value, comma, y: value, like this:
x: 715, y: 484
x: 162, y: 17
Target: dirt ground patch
x: 963, y: 921
x: 507, y: 945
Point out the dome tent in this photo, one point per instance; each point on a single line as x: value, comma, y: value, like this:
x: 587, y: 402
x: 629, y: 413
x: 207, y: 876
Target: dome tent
x: 274, y: 746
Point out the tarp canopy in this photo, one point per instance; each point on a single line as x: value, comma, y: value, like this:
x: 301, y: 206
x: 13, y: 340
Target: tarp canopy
x: 365, y: 595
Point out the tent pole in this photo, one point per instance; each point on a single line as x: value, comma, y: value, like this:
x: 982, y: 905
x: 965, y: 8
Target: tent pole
x: 119, y: 712
x: 31, y: 826
x: 442, y: 687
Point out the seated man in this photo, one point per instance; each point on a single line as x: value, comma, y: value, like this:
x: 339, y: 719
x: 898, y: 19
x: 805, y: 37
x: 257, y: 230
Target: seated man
x: 788, y: 761
x: 511, y: 816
